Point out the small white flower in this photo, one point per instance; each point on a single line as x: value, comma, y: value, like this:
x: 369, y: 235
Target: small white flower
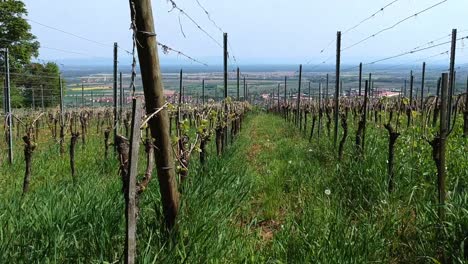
x: 387, y: 161
x: 327, y: 192
x: 268, y: 140
x: 310, y: 150
x: 290, y: 162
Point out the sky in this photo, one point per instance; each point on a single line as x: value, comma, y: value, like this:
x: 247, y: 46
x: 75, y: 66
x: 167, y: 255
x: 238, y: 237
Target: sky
x: 259, y: 31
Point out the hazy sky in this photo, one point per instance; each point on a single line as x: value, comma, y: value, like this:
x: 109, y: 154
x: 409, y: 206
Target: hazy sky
x: 282, y: 31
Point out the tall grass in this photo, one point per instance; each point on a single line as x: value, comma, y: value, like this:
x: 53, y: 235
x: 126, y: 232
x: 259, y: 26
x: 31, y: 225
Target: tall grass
x: 272, y: 198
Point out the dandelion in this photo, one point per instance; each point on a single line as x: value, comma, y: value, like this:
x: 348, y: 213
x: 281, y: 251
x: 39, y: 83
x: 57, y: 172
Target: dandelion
x: 327, y: 192
x: 290, y: 162
x: 310, y: 150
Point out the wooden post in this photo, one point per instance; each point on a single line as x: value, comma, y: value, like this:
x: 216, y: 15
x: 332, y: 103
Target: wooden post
x: 452, y: 75
x: 320, y: 95
x: 465, y: 122
x: 279, y: 107
x: 131, y: 201
x: 115, y: 97
x: 423, y: 79
x: 299, y: 97
x: 442, y: 144
x: 33, y: 99
x: 436, y: 109
x: 61, y: 95
x: 411, y: 89
x: 203, y: 92
x: 42, y: 98
x: 285, y: 90
x: 238, y: 83
x: 8, y: 113
x: 121, y: 97
x: 181, y: 95
x: 225, y: 58
x: 337, y: 85
x: 141, y: 12
x: 82, y: 95
x: 364, y: 118
x: 360, y: 78
x: 245, y: 90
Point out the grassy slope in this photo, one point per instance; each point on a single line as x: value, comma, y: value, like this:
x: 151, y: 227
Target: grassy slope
x: 264, y: 201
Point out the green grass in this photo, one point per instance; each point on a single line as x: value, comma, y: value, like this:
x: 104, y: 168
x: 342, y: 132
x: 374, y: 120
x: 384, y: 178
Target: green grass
x: 264, y: 201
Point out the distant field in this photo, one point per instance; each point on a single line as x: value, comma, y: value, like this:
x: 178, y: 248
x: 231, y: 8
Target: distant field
x: 91, y: 88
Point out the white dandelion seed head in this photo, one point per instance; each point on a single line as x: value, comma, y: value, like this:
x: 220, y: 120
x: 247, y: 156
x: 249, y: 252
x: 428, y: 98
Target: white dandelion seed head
x: 327, y: 192
x: 290, y: 162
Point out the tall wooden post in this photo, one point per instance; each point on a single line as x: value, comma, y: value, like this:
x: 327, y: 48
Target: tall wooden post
x: 337, y: 85
x: 411, y: 89
x: 225, y: 58
x: 360, y: 78
x: 42, y: 98
x: 33, y: 99
x: 451, y: 75
x: 364, y: 114
x: 82, y: 95
x: 203, y: 92
x: 238, y: 83
x: 465, y: 118
x: 245, y: 90
x: 8, y: 113
x: 121, y: 97
x: 298, y: 113
x: 285, y: 90
x: 310, y: 95
x: 442, y: 144
x: 61, y: 95
x: 141, y: 12
x: 131, y: 207
x: 181, y: 95
x: 115, y: 97
x: 279, y: 107
x: 423, y: 80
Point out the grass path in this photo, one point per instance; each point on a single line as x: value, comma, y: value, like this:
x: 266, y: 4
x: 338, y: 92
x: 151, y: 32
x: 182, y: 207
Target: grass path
x: 286, y: 176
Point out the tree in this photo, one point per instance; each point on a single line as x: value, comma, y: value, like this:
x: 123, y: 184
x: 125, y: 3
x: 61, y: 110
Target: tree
x: 15, y: 34
x: 40, y: 81
x: 27, y: 79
